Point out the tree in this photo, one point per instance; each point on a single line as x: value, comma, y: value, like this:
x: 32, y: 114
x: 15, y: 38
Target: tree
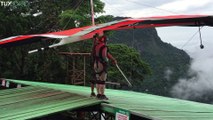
x: 35, y: 16
x: 131, y: 63
x: 81, y: 15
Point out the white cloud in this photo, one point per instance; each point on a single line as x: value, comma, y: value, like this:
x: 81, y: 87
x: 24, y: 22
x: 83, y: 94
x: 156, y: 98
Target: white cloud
x: 167, y: 73
x: 199, y: 85
x: 138, y: 8
x: 185, y: 5
x: 146, y: 13
x: 202, y: 63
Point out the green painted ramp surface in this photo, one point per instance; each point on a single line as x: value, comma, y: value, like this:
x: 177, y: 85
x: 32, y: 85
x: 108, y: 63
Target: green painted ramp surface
x: 33, y: 101
x: 138, y: 104
x: 157, y: 107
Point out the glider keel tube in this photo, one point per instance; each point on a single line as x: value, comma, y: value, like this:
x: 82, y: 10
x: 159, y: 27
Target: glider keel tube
x: 37, y: 50
x: 64, y: 41
x: 82, y: 35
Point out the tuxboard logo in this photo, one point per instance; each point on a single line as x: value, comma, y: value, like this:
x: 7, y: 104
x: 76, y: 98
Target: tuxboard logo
x: 5, y: 3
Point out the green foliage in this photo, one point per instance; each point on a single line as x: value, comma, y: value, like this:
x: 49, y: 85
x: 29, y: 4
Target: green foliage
x: 104, y: 19
x: 130, y: 62
x: 12, y: 20
x: 38, y: 16
x: 160, y: 56
x: 80, y: 16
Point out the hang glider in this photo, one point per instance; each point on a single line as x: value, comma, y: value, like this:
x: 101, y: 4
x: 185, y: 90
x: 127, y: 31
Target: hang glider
x: 83, y: 33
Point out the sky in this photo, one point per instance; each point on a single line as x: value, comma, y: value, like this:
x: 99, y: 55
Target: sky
x: 145, y: 8
x: 181, y: 37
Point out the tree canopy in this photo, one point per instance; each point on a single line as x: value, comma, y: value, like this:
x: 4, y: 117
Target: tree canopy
x: 131, y: 63
x: 35, y: 16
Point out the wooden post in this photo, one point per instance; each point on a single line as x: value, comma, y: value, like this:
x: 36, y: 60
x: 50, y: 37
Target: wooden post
x: 92, y: 12
x: 77, y: 75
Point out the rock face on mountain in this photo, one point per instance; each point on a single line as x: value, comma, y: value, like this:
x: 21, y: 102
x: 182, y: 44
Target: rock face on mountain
x: 167, y: 62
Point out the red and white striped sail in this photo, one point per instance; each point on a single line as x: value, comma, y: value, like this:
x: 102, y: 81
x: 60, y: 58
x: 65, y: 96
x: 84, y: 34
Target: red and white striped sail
x: 83, y: 33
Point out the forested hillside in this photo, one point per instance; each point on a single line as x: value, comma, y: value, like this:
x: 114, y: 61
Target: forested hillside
x: 168, y: 63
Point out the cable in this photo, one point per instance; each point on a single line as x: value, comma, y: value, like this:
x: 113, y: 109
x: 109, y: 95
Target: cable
x: 116, y: 9
x: 162, y: 10
x: 192, y: 37
x: 199, y: 31
x: 201, y: 43
x: 132, y: 45
x: 77, y: 6
x: 75, y: 9
x: 146, y: 5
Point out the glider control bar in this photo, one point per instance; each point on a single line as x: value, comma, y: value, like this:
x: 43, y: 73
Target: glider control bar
x: 129, y: 84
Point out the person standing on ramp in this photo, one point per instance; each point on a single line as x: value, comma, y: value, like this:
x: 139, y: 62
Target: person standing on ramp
x: 102, y: 57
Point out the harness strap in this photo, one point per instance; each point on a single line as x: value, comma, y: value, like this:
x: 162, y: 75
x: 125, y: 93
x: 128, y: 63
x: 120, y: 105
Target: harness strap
x: 100, y: 53
x: 101, y: 82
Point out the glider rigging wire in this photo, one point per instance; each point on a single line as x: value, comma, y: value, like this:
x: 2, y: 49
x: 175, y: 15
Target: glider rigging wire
x: 201, y: 41
x: 75, y: 9
x: 47, y: 47
x: 192, y: 37
x: 116, y: 9
x: 146, y: 5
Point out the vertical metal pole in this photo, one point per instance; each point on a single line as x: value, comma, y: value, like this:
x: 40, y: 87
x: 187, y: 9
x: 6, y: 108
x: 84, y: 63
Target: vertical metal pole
x: 92, y: 12
x: 67, y: 67
x: 73, y: 70
x: 84, y: 70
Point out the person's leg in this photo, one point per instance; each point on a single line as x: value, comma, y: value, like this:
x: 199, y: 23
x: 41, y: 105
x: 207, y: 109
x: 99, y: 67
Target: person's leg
x: 102, y: 85
x: 92, y: 89
x: 98, y: 68
x: 101, y: 75
x: 92, y: 84
x: 103, y: 79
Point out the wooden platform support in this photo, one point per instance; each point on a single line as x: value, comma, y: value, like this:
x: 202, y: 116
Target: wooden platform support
x: 76, y: 71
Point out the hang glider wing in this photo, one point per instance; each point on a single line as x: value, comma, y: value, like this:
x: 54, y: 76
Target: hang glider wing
x: 78, y: 34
